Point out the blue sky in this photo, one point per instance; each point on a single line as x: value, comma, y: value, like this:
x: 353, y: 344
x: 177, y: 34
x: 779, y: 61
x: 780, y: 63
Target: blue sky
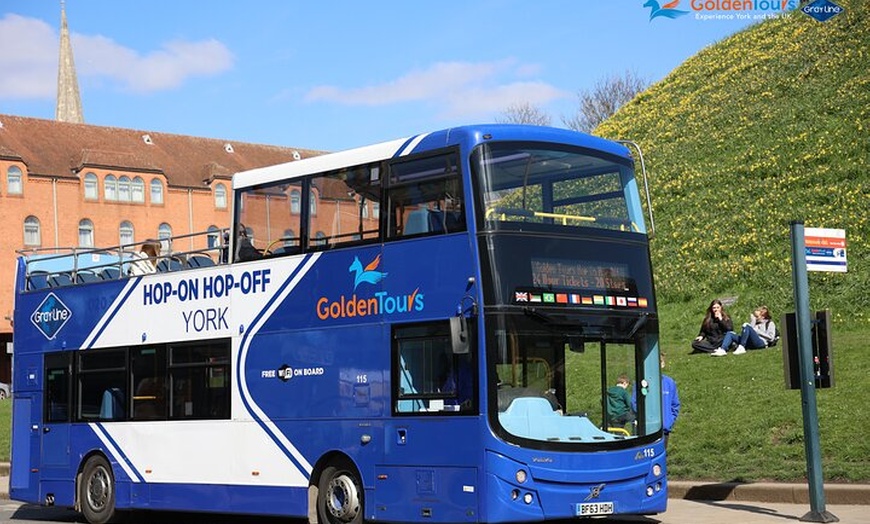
x: 330, y: 75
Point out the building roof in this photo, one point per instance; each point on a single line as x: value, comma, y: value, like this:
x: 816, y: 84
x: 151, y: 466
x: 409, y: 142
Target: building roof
x: 63, y: 150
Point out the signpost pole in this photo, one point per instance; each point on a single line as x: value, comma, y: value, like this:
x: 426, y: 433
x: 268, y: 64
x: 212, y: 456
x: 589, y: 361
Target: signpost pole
x: 808, y: 384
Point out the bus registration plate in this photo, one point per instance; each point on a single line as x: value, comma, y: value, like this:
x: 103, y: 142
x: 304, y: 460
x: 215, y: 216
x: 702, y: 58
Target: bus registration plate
x: 594, y: 508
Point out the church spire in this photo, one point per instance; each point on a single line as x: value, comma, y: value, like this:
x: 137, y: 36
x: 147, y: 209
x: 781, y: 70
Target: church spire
x: 69, y: 103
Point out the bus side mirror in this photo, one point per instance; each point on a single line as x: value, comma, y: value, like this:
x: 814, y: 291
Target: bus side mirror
x: 459, y: 335
x: 576, y: 345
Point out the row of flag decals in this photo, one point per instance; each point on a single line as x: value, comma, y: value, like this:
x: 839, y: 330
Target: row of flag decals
x: 579, y: 299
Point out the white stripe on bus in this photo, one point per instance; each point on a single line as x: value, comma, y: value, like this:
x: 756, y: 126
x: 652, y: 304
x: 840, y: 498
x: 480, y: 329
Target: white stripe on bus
x: 243, y: 386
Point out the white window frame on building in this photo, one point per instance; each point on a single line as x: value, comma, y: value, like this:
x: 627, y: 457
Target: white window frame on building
x: 126, y: 233
x: 214, y: 237
x: 32, y: 232
x: 86, y: 233
x: 295, y: 202
x: 137, y: 190
x: 14, y: 181
x: 110, y: 188
x: 156, y: 191
x: 92, y: 186
x: 164, y: 234
x: 220, y: 196
x: 124, y: 189
x: 319, y: 239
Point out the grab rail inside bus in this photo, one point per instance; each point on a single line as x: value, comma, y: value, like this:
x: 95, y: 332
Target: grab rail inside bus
x: 503, y: 212
x: 652, y: 223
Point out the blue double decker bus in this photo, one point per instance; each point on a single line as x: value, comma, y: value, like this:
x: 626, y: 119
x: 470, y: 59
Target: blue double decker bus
x: 420, y: 330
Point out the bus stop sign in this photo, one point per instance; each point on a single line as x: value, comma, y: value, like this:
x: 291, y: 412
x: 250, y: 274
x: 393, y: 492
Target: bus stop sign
x: 825, y: 249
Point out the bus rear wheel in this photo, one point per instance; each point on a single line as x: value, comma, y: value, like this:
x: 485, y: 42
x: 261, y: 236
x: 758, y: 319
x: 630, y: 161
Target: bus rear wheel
x: 97, y: 491
x: 339, y: 496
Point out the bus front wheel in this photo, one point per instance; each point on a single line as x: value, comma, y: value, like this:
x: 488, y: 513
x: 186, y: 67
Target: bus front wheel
x: 339, y: 497
x: 97, y: 491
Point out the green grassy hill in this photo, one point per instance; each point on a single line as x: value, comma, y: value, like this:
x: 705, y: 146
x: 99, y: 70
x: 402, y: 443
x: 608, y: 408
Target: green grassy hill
x: 765, y: 127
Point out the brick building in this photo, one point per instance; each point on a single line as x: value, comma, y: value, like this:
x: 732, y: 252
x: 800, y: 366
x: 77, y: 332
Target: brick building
x: 75, y: 185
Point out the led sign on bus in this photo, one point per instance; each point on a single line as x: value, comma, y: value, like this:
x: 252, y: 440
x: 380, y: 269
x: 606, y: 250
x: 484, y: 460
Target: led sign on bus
x: 579, y: 274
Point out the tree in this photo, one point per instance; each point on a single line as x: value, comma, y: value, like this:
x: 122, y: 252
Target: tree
x: 604, y: 99
x: 524, y: 113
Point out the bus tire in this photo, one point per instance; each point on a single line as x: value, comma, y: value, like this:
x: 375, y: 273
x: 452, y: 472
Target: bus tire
x: 339, y: 496
x: 97, y: 491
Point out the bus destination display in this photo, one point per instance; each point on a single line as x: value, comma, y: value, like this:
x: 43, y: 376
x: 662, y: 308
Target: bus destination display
x: 550, y: 273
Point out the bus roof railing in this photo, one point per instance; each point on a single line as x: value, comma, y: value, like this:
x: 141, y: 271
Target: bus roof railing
x: 60, y: 266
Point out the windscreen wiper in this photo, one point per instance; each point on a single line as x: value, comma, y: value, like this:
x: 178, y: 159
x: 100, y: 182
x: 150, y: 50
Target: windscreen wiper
x: 545, y: 318
x: 552, y: 320
x: 639, y: 323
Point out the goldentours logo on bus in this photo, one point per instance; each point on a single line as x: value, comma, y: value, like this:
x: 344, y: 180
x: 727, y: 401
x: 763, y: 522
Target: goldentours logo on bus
x: 50, y: 316
x: 361, y: 304
x: 720, y: 9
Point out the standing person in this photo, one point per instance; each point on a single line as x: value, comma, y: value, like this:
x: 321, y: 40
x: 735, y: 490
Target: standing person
x: 758, y: 333
x: 715, y: 326
x: 619, y: 410
x: 670, y: 402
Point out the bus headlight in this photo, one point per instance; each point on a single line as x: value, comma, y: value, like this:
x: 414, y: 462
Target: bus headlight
x: 521, y: 476
x: 657, y: 470
x: 527, y: 498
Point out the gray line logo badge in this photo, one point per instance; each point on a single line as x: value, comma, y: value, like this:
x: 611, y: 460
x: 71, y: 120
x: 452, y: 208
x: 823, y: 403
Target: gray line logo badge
x: 51, y: 315
x: 822, y: 10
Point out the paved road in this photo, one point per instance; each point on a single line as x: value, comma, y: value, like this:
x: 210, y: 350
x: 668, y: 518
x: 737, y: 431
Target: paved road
x: 679, y: 512
x: 691, y: 503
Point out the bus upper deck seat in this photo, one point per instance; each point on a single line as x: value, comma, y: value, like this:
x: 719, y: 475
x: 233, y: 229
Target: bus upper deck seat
x: 169, y: 264
x: 424, y: 221
x: 83, y: 277
x: 60, y: 279
x: 110, y: 273
x: 37, y: 280
x: 199, y: 261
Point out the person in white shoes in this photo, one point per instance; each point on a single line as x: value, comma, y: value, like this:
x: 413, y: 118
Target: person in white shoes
x: 714, y: 329
x: 758, y: 333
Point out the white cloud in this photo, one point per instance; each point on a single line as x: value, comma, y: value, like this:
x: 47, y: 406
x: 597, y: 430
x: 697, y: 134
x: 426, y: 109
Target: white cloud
x: 488, y: 101
x: 456, y: 88
x: 159, y: 70
x: 28, y: 58
x: 29, y: 54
